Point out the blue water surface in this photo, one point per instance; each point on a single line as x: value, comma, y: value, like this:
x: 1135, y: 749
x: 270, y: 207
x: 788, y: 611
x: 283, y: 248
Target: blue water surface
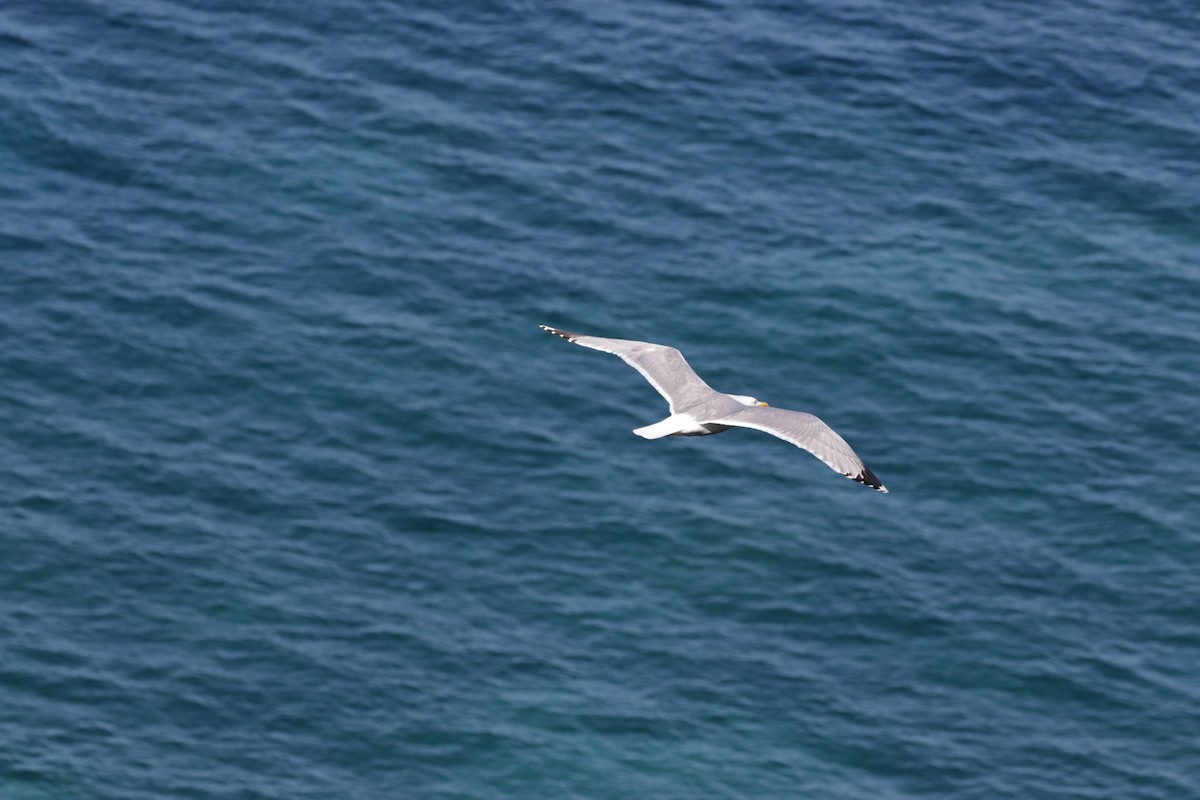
x: 301, y: 503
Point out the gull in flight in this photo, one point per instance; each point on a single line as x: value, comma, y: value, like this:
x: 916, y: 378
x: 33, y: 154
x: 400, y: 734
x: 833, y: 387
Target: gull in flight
x: 698, y: 410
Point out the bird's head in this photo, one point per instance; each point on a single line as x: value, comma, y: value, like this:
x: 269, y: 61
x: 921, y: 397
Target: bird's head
x: 747, y: 400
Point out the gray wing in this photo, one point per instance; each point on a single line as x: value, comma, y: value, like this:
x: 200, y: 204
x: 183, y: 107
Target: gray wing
x: 808, y: 432
x: 663, y: 366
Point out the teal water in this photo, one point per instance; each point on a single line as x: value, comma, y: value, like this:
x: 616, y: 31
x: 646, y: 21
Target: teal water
x: 300, y: 503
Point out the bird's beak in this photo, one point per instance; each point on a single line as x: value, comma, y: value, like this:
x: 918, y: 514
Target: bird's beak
x: 761, y: 403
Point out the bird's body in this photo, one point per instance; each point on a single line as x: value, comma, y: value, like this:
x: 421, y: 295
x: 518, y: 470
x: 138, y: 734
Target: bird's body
x: 699, y: 410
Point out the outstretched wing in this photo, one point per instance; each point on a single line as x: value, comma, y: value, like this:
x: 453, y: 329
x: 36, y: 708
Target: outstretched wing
x: 663, y: 366
x: 809, y: 432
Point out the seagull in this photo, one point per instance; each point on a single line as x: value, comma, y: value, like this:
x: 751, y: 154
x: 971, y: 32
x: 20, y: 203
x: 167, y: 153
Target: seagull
x: 699, y: 410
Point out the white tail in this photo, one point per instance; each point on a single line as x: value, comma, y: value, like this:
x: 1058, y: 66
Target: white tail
x: 666, y: 427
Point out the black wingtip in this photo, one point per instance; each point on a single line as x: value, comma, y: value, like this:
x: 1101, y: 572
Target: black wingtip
x: 867, y: 478
x: 570, y: 337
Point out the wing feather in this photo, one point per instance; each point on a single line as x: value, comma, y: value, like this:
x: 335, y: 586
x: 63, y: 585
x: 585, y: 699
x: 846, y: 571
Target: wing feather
x: 664, y: 367
x: 809, y: 433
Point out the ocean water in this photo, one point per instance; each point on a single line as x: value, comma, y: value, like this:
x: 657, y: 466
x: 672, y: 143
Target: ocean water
x: 300, y: 503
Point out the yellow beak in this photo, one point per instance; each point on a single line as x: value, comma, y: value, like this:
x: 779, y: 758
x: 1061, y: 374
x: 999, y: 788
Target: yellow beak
x: 761, y: 403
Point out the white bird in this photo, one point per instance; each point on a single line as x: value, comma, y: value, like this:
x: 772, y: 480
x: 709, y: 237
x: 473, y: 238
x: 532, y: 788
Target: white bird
x: 699, y: 410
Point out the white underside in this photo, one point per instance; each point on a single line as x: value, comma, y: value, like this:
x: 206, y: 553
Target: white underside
x: 675, y: 424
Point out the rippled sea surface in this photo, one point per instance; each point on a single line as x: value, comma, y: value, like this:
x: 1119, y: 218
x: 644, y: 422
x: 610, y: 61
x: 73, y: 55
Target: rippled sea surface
x: 299, y: 502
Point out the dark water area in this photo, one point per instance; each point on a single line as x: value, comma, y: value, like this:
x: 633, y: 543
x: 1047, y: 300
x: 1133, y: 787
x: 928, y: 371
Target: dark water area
x: 300, y: 503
